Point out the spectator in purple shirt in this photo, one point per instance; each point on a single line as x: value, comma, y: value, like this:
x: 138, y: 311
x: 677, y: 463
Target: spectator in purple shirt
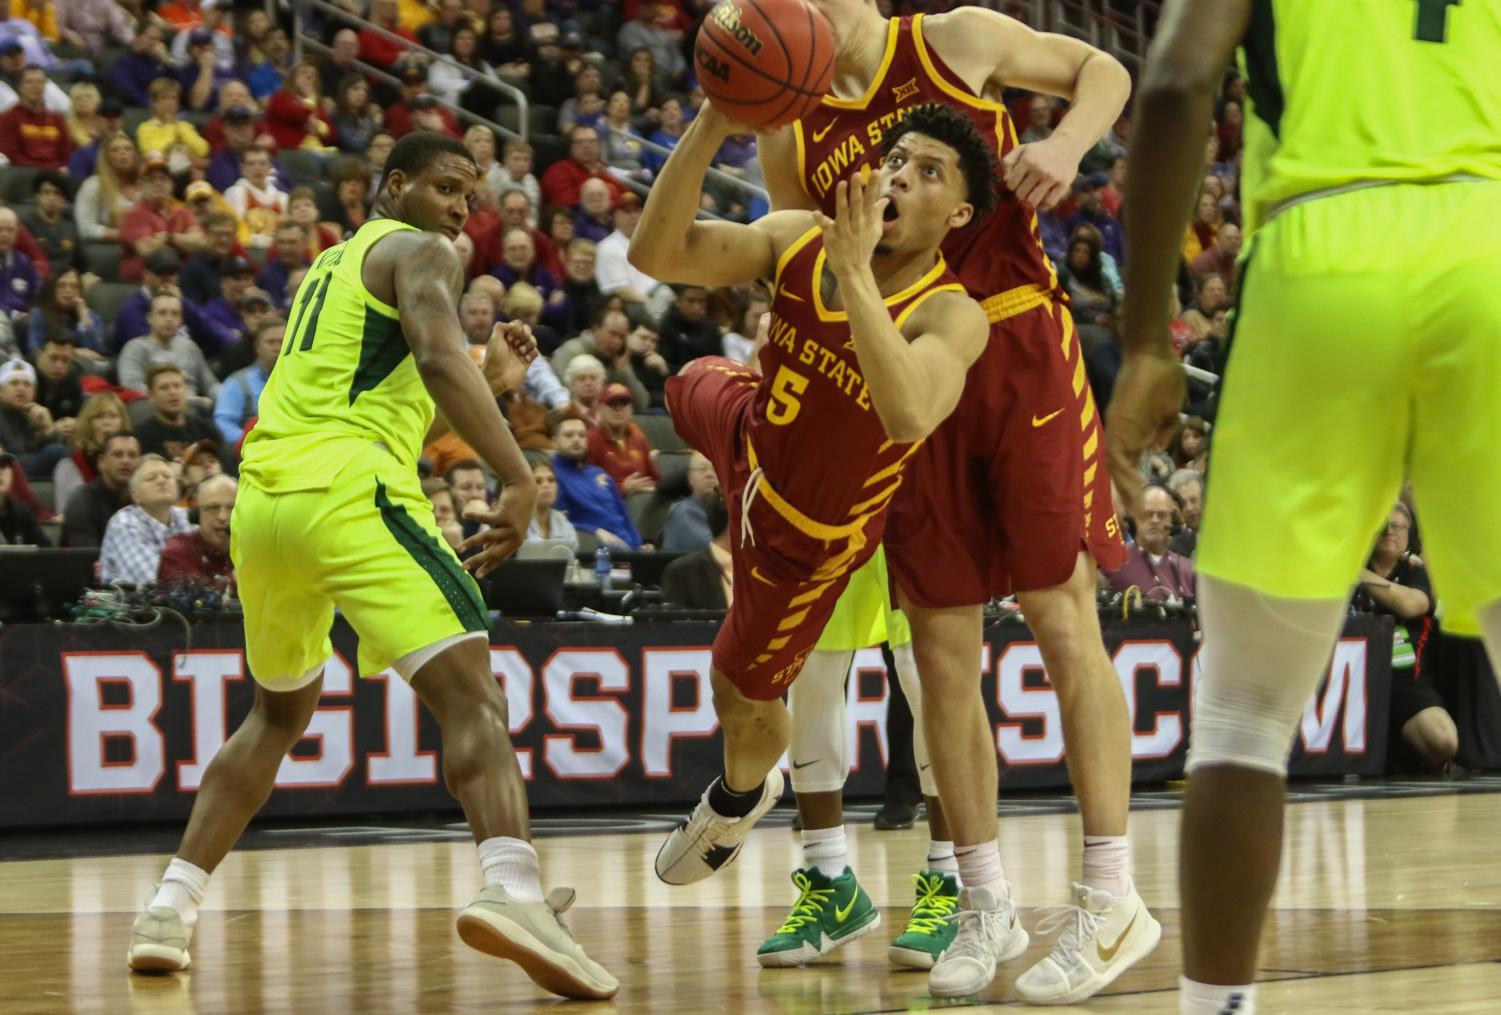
x: 239, y: 136
x: 81, y: 163
x: 160, y: 273
x: 235, y: 278
x: 1092, y: 212
x: 519, y: 264
x: 1150, y: 565
x: 288, y: 253
x: 595, y: 219
x: 19, y: 284
x: 134, y: 71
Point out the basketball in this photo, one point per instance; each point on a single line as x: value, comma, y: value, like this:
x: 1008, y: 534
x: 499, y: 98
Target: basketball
x: 765, y: 63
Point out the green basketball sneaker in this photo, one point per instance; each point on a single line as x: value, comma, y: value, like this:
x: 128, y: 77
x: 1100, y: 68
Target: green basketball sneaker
x: 932, y: 925
x: 829, y: 912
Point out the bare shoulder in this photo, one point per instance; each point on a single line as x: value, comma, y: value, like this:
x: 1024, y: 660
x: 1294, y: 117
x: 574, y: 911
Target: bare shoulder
x: 784, y: 228
x: 969, y: 31
x: 408, y: 256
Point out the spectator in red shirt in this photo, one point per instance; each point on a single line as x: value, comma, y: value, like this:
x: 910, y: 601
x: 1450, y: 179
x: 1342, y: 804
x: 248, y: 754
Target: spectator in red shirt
x: 377, y: 48
x: 516, y: 212
x: 295, y: 115
x: 1219, y: 257
x: 202, y: 555
x: 564, y: 178
x: 419, y: 110
x: 30, y: 135
x: 157, y: 221
x: 618, y: 446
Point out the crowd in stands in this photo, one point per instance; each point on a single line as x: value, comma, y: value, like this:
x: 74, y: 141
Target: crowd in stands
x: 171, y: 171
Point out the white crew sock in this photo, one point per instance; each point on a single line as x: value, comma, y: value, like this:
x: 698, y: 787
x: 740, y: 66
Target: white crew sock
x: 1107, y: 863
x: 827, y: 849
x: 941, y: 857
x: 181, y: 889
x: 980, y: 867
x: 1208, y: 999
x: 513, y: 865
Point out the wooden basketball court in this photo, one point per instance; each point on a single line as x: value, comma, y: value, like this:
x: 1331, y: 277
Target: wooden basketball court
x: 1384, y: 905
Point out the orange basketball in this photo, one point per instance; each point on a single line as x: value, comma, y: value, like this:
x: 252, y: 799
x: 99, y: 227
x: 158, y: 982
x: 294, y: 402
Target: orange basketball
x: 765, y: 63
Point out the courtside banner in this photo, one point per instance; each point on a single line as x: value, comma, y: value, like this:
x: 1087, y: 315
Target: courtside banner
x: 99, y: 724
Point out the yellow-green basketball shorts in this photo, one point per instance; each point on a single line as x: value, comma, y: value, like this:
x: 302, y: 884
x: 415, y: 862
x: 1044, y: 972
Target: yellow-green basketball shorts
x: 1366, y: 349
x: 367, y: 545
x: 864, y: 616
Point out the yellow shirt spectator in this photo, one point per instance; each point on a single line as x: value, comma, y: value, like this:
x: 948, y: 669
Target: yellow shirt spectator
x: 160, y: 136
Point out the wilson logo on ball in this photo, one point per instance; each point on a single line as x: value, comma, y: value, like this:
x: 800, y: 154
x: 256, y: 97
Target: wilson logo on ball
x: 727, y: 16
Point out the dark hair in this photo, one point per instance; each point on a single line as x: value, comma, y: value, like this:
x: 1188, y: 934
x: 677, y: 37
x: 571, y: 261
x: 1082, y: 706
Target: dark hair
x: 566, y: 416
x: 977, y: 159
x: 1093, y: 273
x: 421, y: 149
x: 463, y: 465
x: 55, y: 323
x: 53, y: 177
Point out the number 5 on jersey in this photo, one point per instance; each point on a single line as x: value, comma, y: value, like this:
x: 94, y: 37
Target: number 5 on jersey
x: 307, y: 324
x: 786, y: 388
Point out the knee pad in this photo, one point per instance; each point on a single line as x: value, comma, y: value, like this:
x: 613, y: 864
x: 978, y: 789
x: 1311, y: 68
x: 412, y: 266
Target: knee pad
x: 819, y: 754
x: 906, y: 672
x: 1263, y: 658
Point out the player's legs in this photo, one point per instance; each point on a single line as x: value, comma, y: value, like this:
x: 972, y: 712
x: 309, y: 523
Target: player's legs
x: 1281, y: 543
x: 1433, y: 735
x: 286, y: 644
x: 756, y: 733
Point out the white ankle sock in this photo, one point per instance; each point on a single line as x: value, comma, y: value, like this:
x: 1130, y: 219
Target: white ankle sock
x: 181, y: 889
x: 827, y: 849
x: 1107, y: 863
x: 513, y: 865
x: 941, y: 857
x: 980, y: 867
x: 1208, y: 999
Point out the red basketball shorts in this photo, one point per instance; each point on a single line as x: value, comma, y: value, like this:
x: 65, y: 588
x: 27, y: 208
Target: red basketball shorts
x: 781, y: 597
x: 1013, y: 484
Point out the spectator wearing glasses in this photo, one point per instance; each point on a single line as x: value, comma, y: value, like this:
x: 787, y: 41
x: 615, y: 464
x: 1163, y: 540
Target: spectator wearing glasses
x: 1151, y: 565
x: 202, y: 555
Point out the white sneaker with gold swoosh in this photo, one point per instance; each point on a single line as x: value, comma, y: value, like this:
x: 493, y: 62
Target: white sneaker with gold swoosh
x: 1102, y: 936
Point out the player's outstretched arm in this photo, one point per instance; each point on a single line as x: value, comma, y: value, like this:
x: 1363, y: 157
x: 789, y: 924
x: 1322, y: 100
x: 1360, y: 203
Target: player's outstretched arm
x: 1195, y: 43
x: 428, y: 279
x: 987, y: 48
x: 915, y: 375
x: 672, y: 244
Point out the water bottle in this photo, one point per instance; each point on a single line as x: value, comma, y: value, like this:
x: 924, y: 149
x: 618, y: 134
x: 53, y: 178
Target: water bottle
x: 602, y: 567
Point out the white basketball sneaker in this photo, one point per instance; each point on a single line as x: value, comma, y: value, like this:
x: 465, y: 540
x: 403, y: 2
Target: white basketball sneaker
x: 534, y: 936
x: 159, y: 942
x: 708, y: 841
x: 989, y: 933
x: 1102, y: 936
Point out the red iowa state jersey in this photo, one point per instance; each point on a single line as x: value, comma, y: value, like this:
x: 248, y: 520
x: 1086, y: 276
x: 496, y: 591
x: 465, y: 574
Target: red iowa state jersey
x: 813, y: 431
x: 1000, y: 253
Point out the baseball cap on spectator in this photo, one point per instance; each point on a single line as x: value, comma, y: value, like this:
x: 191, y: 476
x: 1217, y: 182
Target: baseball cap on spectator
x: 571, y: 40
x: 9, y: 46
x: 627, y: 200
x: 256, y: 298
x: 203, y: 447
x: 237, y: 266
x: 239, y: 114
x: 163, y: 262
x: 1091, y: 181
x: 615, y: 394
x: 111, y: 109
x: 200, y: 37
x: 413, y: 73
x: 11, y: 369
x: 155, y: 165
x: 200, y: 189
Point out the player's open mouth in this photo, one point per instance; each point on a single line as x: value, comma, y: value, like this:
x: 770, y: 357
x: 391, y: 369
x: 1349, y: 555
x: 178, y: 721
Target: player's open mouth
x: 890, y: 215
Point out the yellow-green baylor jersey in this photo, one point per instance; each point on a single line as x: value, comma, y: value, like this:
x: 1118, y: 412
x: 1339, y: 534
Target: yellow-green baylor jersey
x: 345, y: 373
x: 1344, y: 93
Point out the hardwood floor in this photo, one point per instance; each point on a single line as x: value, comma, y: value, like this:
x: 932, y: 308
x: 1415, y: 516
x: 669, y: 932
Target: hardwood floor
x: 1384, y: 906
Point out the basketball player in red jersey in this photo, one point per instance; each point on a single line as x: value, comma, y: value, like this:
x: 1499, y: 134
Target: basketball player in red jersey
x: 1011, y: 492
x: 869, y: 343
